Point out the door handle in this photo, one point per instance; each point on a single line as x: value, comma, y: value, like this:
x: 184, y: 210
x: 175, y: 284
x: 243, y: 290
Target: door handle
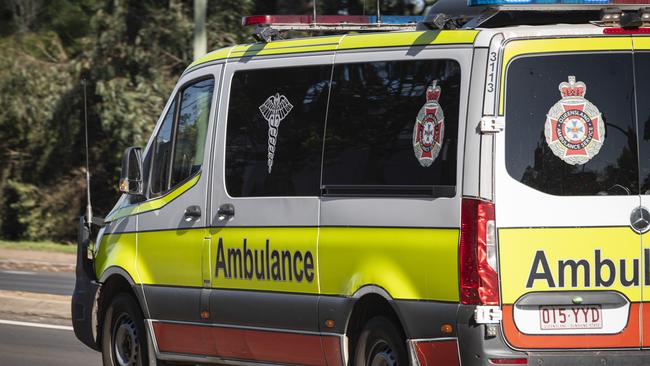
x: 226, y: 212
x: 192, y: 213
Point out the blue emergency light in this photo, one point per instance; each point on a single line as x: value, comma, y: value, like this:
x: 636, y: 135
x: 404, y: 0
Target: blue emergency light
x: 396, y: 19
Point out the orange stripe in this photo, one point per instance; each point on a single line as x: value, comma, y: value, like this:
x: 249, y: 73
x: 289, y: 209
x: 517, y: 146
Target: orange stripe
x: 437, y: 353
x: 245, y: 344
x: 645, y: 309
x: 628, y: 338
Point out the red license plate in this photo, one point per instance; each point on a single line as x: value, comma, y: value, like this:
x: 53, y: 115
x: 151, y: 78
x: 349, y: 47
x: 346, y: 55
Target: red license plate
x: 571, y: 317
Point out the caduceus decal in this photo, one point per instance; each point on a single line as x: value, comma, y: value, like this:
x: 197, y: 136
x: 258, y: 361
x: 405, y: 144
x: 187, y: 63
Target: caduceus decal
x: 274, y: 110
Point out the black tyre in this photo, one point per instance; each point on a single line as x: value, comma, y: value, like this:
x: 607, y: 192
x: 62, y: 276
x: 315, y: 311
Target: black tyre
x: 124, y: 339
x: 380, y: 344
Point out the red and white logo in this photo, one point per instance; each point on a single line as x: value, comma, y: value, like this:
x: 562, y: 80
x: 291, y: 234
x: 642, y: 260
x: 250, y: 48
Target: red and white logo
x: 574, y: 127
x: 429, y: 129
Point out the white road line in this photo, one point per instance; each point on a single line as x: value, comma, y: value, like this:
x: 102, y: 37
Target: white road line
x: 35, y: 325
x: 19, y: 272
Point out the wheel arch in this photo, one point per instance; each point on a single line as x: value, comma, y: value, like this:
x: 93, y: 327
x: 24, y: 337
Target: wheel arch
x: 371, y: 301
x: 116, y: 280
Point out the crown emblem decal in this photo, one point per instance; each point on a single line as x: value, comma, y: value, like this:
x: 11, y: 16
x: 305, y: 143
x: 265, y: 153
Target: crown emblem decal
x: 574, y: 128
x: 572, y: 88
x: 429, y: 129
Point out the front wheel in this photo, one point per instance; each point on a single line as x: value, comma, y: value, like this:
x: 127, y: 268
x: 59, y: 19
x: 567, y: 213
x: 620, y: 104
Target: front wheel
x: 380, y: 344
x: 124, y: 340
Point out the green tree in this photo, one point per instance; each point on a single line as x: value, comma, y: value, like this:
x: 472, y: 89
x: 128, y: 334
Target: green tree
x: 131, y: 53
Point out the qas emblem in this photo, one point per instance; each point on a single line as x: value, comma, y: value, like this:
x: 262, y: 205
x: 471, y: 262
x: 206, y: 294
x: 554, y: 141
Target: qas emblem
x: 274, y: 109
x: 574, y: 127
x: 429, y: 129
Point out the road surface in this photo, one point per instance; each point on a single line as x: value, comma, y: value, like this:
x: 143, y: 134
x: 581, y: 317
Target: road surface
x: 56, y: 283
x: 36, y: 346
x: 29, y: 346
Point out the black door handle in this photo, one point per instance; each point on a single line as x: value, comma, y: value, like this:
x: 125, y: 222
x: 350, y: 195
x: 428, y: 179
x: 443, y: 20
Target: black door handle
x: 193, y: 212
x: 226, y: 212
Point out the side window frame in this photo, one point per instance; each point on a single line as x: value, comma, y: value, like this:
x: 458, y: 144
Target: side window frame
x: 362, y: 210
x: 229, y: 123
x: 175, y: 102
x: 278, y: 211
x: 388, y: 190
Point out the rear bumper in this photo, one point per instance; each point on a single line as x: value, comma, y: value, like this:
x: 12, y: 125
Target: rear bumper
x: 475, y: 349
x: 595, y: 358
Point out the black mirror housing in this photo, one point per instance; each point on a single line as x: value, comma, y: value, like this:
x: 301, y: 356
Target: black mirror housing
x: 131, y: 181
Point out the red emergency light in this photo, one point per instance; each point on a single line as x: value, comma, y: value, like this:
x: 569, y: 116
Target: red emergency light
x: 304, y: 19
x: 626, y: 31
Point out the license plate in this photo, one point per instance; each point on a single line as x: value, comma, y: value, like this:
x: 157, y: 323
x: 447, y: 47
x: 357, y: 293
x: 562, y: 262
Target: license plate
x: 571, y: 317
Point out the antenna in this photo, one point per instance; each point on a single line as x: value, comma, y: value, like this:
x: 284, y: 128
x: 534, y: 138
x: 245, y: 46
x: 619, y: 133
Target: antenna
x: 378, y: 13
x: 89, y: 207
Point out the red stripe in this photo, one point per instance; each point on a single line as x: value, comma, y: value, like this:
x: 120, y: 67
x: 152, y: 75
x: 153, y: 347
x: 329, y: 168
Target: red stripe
x: 332, y: 350
x: 437, y: 353
x: 246, y: 344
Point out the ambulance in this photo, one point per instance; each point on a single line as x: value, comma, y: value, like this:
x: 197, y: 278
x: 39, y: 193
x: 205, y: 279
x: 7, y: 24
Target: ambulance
x: 471, y: 189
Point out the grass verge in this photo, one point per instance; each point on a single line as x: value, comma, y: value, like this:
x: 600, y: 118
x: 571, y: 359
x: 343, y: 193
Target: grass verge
x: 44, y: 246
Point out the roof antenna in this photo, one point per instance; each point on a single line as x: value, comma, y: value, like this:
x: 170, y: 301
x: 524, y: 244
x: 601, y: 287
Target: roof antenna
x: 378, y: 14
x: 89, y: 207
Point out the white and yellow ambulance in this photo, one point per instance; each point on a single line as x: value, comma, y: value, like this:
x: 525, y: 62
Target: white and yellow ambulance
x: 471, y: 192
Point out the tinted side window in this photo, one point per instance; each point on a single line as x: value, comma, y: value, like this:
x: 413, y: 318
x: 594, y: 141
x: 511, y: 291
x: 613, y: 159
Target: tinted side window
x: 191, y: 130
x: 570, y: 124
x: 178, y: 147
x: 162, y: 153
x: 392, y: 128
x: 274, y: 133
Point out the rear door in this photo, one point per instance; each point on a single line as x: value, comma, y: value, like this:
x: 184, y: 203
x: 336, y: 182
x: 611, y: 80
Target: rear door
x: 567, y: 182
x: 642, y: 74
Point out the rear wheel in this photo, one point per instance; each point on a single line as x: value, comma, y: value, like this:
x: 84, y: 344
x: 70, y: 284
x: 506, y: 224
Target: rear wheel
x: 380, y: 344
x: 124, y: 339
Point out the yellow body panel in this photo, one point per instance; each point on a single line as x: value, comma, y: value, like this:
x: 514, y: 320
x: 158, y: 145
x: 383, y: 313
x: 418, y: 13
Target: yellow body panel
x: 397, y: 39
x: 117, y: 250
x: 408, y: 263
x: 641, y: 42
x: 154, y: 204
x: 347, y: 42
x: 171, y: 257
x: 533, y: 46
x: 219, y: 54
x: 518, y: 248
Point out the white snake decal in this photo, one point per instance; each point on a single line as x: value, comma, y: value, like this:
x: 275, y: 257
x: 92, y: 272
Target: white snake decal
x: 274, y: 109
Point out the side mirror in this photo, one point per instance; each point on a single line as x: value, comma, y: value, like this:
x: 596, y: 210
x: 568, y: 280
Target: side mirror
x: 131, y: 176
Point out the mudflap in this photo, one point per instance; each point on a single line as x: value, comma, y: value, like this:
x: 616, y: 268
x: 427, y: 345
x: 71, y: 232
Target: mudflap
x: 85, y: 290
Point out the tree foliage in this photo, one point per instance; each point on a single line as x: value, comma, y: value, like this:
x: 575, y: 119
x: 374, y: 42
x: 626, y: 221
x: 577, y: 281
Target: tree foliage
x: 130, y: 53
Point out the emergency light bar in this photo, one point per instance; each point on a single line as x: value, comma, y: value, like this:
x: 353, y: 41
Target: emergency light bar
x: 337, y: 20
x: 269, y: 26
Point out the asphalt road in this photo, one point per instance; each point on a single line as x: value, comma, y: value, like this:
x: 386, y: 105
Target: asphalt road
x: 29, y: 346
x: 56, y: 283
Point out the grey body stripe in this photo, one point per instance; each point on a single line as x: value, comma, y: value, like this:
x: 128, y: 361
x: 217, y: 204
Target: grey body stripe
x: 287, y: 311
